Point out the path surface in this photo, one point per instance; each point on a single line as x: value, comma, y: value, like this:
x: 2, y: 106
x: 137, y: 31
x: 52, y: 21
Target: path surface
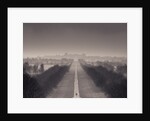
x: 77, y: 84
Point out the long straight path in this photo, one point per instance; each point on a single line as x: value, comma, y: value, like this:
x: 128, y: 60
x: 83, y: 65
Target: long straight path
x: 76, y: 84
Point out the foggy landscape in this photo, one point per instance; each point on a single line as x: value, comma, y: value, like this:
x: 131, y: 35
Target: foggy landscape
x: 75, y: 60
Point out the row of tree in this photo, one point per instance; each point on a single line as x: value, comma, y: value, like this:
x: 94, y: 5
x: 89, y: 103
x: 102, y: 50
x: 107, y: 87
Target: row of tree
x: 34, y: 69
x: 39, y: 86
x: 113, y: 84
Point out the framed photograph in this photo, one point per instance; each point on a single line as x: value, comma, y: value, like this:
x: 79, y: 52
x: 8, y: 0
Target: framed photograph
x: 74, y: 60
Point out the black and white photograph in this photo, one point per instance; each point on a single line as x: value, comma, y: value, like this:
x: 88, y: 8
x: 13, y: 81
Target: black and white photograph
x: 75, y: 60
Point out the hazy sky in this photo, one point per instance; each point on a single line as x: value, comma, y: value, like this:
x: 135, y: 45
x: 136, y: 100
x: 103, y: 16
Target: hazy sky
x: 103, y: 39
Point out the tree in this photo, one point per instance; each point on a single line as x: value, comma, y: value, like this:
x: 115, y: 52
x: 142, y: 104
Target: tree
x: 42, y: 68
x: 26, y: 67
x: 35, y: 68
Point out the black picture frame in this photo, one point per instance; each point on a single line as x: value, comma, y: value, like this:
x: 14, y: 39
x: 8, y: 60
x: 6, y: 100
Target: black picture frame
x: 4, y: 4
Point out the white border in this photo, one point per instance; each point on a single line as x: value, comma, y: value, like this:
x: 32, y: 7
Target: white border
x: 18, y: 16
